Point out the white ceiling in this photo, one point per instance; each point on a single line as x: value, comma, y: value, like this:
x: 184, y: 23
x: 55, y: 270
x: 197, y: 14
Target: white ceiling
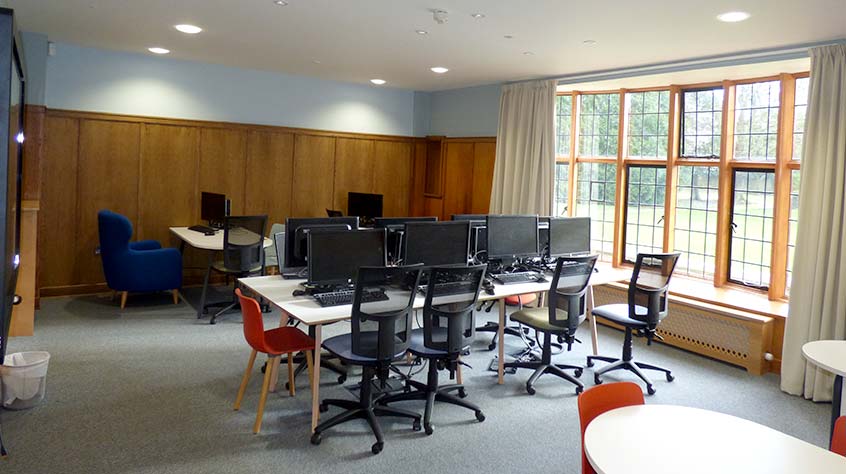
x: 359, y: 40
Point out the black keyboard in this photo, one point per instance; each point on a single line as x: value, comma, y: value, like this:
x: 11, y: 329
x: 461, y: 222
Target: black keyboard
x: 203, y: 229
x: 450, y: 288
x: 517, y: 277
x: 342, y: 297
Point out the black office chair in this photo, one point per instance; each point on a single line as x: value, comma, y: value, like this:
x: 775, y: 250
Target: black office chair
x: 243, y: 256
x: 566, y: 305
x: 448, y: 329
x: 334, y: 213
x: 646, y: 308
x: 381, y: 334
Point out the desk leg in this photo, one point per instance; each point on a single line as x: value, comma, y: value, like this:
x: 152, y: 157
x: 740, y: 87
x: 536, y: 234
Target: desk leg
x: 501, y: 346
x: 205, y: 285
x: 593, y: 333
x: 836, y: 404
x: 276, y: 360
x: 315, y: 377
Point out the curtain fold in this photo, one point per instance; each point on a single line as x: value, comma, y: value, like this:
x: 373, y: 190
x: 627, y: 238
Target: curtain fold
x: 525, y: 149
x: 818, y: 291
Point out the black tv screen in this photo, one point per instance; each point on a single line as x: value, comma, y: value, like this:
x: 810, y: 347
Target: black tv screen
x: 11, y: 132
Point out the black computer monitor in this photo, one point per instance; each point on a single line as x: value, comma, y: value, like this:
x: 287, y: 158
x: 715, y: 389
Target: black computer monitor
x: 436, y: 243
x: 469, y: 217
x: 364, y: 205
x: 398, y: 222
x: 569, y: 236
x: 213, y: 207
x: 336, y: 256
x: 292, y: 261
x: 512, y: 237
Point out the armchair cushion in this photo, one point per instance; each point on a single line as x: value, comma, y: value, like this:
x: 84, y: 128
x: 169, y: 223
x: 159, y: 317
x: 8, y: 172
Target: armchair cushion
x: 619, y: 313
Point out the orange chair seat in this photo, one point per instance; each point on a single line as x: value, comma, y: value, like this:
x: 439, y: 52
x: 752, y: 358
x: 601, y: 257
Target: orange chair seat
x: 520, y: 299
x: 838, y: 438
x: 286, y: 340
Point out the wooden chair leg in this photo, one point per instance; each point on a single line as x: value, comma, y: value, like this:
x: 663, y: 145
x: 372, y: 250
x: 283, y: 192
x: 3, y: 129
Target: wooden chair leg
x: 291, y: 386
x: 264, y: 387
x: 175, y: 296
x: 123, y: 295
x: 309, y: 362
x: 245, y: 380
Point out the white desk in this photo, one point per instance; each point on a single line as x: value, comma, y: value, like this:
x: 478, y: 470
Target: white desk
x: 831, y: 356
x: 665, y: 439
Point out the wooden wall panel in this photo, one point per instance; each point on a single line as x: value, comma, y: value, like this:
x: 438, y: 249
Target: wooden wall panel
x: 33, y: 151
x: 108, y: 179
x: 458, y: 185
x: 168, y: 194
x: 354, y: 163
x: 392, y: 176
x: 57, y: 218
x: 418, y: 178
x: 223, y: 160
x: 314, y: 171
x: 270, y: 161
x: 484, y: 156
x: 434, y: 207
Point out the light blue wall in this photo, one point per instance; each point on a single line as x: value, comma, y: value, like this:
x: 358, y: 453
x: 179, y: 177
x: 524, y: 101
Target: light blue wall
x: 98, y: 80
x: 35, y: 59
x: 422, y: 113
x: 468, y: 112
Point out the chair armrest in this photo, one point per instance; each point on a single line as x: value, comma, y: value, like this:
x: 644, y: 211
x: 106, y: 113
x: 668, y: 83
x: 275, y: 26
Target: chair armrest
x: 145, y: 245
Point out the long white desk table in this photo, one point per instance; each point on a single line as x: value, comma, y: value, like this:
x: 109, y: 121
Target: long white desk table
x: 667, y: 439
x: 279, y: 292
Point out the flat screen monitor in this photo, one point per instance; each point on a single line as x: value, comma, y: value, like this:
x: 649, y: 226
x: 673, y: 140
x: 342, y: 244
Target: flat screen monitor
x: 437, y: 243
x: 469, y: 217
x: 293, y: 223
x: 512, y: 237
x: 212, y: 207
x: 336, y: 256
x: 398, y: 222
x: 569, y: 236
x: 364, y: 205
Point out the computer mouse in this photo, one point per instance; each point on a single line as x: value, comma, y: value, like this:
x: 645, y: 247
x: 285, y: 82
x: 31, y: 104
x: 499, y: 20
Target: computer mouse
x: 299, y: 292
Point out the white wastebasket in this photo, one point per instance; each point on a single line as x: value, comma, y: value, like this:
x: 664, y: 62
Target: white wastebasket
x: 24, y: 379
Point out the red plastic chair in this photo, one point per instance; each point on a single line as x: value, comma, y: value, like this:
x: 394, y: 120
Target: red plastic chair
x: 838, y: 438
x: 273, y: 342
x: 601, y: 398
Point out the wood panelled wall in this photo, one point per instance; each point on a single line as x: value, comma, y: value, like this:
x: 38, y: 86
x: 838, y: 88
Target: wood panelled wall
x: 153, y: 170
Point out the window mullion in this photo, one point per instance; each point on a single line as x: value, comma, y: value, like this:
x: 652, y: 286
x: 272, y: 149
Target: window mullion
x: 725, y: 198
x: 620, y: 192
x: 673, y: 132
x: 784, y: 153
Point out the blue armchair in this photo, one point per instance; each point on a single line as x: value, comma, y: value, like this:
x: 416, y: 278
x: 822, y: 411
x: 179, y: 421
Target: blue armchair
x: 142, y: 266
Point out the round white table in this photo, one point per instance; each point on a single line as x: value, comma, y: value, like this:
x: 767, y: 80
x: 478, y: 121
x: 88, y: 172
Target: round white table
x: 831, y: 356
x: 667, y: 439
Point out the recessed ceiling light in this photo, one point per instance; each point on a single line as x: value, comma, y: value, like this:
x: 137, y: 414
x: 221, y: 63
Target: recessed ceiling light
x: 158, y: 50
x: 281, y: 3
x: 439, y: 69
x: 478, y: 16
x: 733, y: 17
x: 528, y: 53
x: 378, y: 82
x: 589, y: 42
x: 316, y: 61
x: 189, y: 29
x: 508, y: 37
x: 421, y: 32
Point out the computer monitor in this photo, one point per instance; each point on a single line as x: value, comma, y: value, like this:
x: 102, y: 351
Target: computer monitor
x: 396, y: 228
x: 294, y: 223
x: 436, y: 243
x: 336, y: 256
x: 512, y: 237
x: 364, y: 205
x: 213, y: 207
x: 569, y: 236
x: 392, y: 222
x: 470, y: 217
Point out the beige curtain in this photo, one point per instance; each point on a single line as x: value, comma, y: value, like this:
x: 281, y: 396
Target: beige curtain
x: 818, y: 291
x: 525, y: 150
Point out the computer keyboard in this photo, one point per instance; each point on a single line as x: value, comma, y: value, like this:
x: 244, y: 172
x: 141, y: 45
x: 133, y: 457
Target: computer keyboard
x: 203, y: 229
x: 517, y: 277
x: 451, y: 288
x: 342, y: 297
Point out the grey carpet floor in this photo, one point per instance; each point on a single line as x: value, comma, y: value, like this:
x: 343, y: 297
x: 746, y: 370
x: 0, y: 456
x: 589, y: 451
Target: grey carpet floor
x: 150, y: 390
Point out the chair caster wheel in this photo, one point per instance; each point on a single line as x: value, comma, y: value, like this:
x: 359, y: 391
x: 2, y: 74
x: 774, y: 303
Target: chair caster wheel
x: 462, y: 393
x: 670, y: 377
x: 530, y: 389
x: 377, y: 447
x: 416, y: 425
x: 597, y: 380
x: 316, y: 439
x: 589, y: 363
x: 650, y: 390
x: 323, y: 408
x: 491, y: 346
x: 578, y: 373
x: 342, y: 379
x: 480, y: 416
x: 429, y: 429
x: 579, y: 389
x: 263, y: 367
x: 287, y: 386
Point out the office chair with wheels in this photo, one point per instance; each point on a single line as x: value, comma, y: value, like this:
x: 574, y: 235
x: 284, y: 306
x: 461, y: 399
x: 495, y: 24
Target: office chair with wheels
x: 646, y: 308
x: 600, y: 399
x: 381, y: 334
x: 566, y: 305
x: 448, y: 330
x: 838, y: 437
x: 243, y: 256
